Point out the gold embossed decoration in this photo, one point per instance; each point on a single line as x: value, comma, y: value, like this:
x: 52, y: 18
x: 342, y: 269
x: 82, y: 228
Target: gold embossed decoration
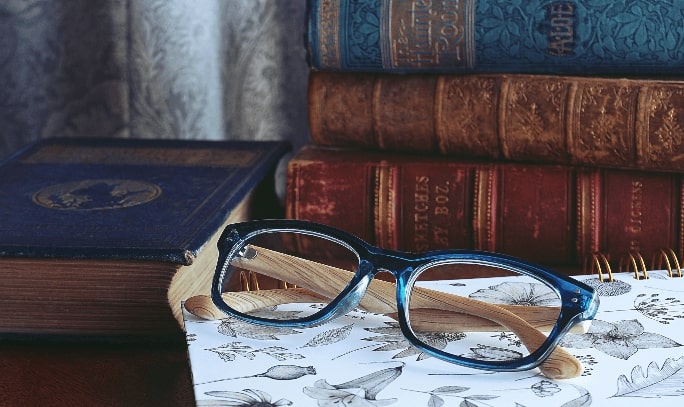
x: 97, y: 194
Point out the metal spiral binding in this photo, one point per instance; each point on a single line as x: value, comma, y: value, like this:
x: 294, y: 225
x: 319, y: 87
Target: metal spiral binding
x: 248, y: 281
x: 669, y: 258
x: 636, y: 261
x: 597, y: 263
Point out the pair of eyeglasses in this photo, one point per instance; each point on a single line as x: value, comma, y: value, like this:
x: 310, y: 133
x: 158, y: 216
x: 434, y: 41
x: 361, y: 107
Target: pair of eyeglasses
x: 515, y: 325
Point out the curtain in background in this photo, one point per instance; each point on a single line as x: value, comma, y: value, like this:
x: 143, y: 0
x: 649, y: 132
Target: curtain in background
x: 192, y: 69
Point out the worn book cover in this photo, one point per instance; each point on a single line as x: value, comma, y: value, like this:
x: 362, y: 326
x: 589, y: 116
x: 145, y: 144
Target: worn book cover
x: 536, y: 36
x: 104, y: 237
x: 593, y: 121
x: 556, y: 215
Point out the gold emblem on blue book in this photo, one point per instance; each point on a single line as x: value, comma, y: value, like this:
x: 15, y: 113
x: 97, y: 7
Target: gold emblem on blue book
x: 97, y: 194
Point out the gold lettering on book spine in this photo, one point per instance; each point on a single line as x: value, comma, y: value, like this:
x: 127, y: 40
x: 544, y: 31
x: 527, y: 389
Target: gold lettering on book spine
x: 328, y: 29
x: 421, y: 213
x: 425, y: 33
x: 561, y: 35
x: 384, y: 208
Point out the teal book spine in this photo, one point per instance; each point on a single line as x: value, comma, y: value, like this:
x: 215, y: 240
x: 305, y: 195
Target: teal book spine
x: 610, y: 37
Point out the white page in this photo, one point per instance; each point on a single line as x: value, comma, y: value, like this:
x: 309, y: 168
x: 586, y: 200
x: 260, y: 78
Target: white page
x: 632, y: 353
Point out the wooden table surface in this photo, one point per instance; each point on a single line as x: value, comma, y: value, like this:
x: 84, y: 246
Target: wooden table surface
x: 44, y: 373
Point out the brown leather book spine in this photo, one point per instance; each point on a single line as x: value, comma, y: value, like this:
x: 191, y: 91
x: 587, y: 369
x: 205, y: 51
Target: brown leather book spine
x: 592, y: 121
x: 552, y: 214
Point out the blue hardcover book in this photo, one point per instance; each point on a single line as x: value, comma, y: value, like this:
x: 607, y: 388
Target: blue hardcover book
x: 105, y: 237
x: 537, y: 36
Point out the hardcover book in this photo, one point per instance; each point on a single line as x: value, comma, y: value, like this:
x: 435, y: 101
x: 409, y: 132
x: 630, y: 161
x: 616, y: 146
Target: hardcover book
x: 555, y: 215
x: 539, y: 36
x: 592, y: 121
x: 105, y: 237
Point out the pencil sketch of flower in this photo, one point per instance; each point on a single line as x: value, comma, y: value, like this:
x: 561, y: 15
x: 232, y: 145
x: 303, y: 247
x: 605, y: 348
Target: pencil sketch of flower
x: 360, y: 392
x: 621, y: 339
x: 542, y: 388
x: 393, y: 339
x: 518, y: 293
x: 588, y: 361
x: 545, y: 388
x: 438, y: 395
x: 608, y: 288
x: 663, y: 310
x: 246, y: 398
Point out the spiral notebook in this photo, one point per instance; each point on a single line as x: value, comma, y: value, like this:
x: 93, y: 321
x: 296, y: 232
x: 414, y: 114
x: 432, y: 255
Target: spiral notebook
x: 633, y: 352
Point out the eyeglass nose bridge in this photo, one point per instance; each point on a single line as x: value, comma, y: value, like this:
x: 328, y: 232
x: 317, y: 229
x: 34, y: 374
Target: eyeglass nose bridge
x: 401, y: 269
x: 351, y: 297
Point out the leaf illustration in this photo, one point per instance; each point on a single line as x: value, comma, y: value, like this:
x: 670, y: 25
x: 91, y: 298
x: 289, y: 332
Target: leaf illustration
x: 234, y: 328
x: 450, y: 389
x: 584, y: 400
x: 483, y: 397
x: 655, y: 382
x: 280, y: 353
x: 435, y: 401
x: 329, y: 337
x: 394, y: 339
x: 486, y: 352
x: 230, y: 351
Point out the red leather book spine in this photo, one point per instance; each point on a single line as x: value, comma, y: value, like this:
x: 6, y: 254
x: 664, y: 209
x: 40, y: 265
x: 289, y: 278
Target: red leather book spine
x: 552, y: 214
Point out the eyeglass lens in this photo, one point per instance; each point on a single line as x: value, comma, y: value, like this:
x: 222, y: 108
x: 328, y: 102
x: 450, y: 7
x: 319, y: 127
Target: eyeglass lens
x: 298, y: 261
x: 435, y: 323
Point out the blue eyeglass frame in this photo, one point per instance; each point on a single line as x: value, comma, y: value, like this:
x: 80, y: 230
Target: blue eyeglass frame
x: 579, y: 302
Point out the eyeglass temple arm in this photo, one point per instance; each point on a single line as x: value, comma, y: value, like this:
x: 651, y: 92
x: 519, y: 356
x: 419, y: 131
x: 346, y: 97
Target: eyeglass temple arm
x: 380, y: 297
x: 541, y: 318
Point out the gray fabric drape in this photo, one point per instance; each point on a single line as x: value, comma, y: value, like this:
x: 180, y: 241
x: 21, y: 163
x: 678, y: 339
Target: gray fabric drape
x: 192, y: 69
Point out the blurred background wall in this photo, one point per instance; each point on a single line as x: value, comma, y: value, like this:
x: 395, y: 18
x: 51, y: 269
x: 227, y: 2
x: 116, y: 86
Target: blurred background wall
x: 191, y: 69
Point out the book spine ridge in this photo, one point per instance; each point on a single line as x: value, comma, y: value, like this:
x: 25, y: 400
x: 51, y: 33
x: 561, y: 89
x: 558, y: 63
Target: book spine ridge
x: 552, y: 214
x: 539, y: 36
x: 592, y: 121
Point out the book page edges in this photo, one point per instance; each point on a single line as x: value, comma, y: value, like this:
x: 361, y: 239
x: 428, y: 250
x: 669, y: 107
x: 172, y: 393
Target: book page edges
x: 196, y: 278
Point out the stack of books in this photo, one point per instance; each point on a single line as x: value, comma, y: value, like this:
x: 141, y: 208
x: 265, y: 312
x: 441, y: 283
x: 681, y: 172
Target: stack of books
x: 549, y: 130
x: 528, y: 128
